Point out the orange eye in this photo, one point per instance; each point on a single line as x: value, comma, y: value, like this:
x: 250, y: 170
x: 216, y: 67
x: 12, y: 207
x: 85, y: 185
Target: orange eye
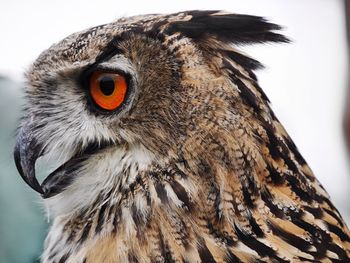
x: 107, y: 89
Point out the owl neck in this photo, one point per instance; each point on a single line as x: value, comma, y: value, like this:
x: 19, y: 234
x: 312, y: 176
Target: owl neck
x: 151, y: 207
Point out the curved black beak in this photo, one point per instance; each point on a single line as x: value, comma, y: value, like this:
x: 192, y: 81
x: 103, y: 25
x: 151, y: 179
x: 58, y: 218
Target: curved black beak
x: 26, y: 152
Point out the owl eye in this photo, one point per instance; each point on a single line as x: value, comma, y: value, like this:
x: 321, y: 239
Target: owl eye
x: 108, y: 90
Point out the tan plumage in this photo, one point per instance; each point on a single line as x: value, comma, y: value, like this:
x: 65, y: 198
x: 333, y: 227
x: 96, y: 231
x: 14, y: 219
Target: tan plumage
x: 194, y: 167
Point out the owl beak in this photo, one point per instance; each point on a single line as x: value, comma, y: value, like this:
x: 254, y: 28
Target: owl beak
x: 26, y: 152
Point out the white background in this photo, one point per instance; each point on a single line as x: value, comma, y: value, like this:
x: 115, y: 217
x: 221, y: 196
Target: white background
x: 305, y: 80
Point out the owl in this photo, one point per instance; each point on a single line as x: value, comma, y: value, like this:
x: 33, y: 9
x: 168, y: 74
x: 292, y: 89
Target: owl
x: 168, y: 150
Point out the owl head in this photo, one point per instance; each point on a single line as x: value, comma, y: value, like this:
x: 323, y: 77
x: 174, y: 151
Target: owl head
x: 146, y: 90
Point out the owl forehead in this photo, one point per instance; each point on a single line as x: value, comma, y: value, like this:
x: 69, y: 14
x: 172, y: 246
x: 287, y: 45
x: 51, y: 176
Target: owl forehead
x: 83, y: 47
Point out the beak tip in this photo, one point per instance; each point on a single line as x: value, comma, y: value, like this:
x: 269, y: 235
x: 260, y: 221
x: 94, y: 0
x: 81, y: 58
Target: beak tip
x: 25, y: 167
x: 36, y: 186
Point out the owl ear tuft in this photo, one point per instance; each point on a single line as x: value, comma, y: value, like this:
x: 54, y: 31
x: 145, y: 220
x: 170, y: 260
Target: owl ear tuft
x: 233, y: 28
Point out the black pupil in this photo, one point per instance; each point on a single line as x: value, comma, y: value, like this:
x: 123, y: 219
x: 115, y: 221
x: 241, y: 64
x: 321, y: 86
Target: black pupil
x: 107, y: 85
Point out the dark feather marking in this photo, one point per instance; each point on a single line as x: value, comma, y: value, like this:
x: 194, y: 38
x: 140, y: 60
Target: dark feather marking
x: 184, y: 162
x: 109, y: 51
x: 175, y: 171
x: 52, y: 253
x: 161, y: 192
x: 247, y: 197
x: 86, y: 232
x: 96, y: 146
x: 335, y: 216
x: 334, y: 211
x: 132, y: 258
x: 154, y: 32
x: 255, y: 227
x: 339, y: 260
x: 329, y: 203
x: 73, y: 226
x: 181, y: 193
x: 253, y: 80
x: 116, y: 220
x: 101, y: 218
x: 214, y: 200
x: 338, y: 231
x: 273, y: 141
x: 220, y: 152
x: 317, y: 212
x: 308, y: 260
x: 246, y: 62
x: 276, y: 177
x: 253, y: 76
x: 71, y: 236
x: 320, y: 239
x: 340, y: 252
x: 285, y: 155
x: 232, y: 258
x: 182, y: 231
x: 246, y: 94
x: 262, y: 93
x: 297, y: 182
x: 294, y: 240
x: 204, y: 169
x: 274, y: 209
x: 294, y: 184
x: 64, y: 258
x: 111, y: 210
x: 217, y: 234
x: 295, y: 151
x: 164, y: 249
x: 232, y: 70
x: 217, y: 202
x: 137, y: 217
x: 257, y: 246
x: 249, y: 187
x: 204, y: 253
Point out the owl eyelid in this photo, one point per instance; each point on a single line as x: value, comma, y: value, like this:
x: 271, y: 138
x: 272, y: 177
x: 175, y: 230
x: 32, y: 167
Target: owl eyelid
x: 87, y: 72
x: 109, y: 70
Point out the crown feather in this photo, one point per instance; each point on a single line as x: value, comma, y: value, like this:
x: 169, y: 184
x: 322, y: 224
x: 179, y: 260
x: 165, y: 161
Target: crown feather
x: 235, y: 28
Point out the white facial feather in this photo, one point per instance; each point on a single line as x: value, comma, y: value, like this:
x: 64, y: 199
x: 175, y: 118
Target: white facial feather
x: 98, y: 174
